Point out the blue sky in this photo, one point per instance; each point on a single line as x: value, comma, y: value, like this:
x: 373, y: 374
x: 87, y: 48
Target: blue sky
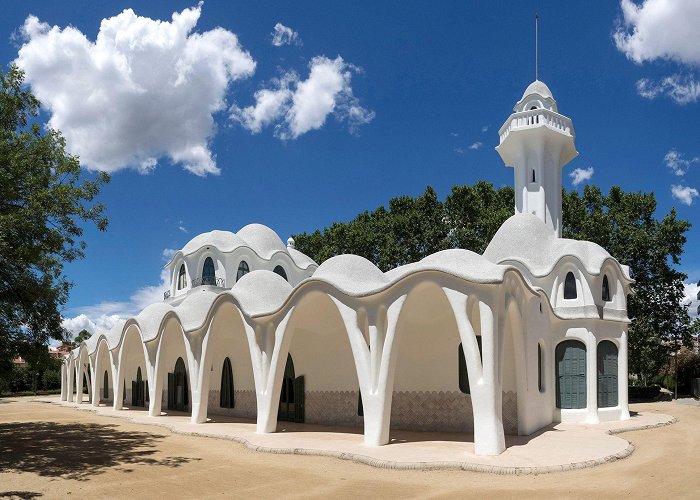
x: 418, y: 93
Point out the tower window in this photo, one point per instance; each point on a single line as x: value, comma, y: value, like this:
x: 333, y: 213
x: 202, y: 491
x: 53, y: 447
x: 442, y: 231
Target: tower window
x: 181, y: 278
x: 280, y: 270
x: 606, y: 289
x: 570, y: 286
x: 534, y: 107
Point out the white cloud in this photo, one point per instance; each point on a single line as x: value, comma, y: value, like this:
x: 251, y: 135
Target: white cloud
x: 181, y: 227
x: 475, y: 145
x: 690, y: 292
x: 485, y: 129
x: 660, y: 29
x: 666, y: 30
x: 675, y: 161
x: 168, y: 253
x: 579, y: 175
x: 144, y: 89
x: 684, y: 194
x: 454, y: 134
x: 104, y: 315
x: 459, y: 151
x: 297, y: 106
x: 284, y: 35
x: 682, y: 89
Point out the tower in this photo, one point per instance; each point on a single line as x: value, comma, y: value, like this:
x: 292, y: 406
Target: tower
x: 537, y: 142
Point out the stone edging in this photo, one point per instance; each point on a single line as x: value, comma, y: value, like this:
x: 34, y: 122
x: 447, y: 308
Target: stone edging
x: 427, y: 466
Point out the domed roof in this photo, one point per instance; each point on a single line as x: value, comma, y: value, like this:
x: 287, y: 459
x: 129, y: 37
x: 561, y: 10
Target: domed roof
x: 225, y: 241
x: 261, y: 291
x: 352, y: 274
x: 537, y: 87
x: 262, y: 239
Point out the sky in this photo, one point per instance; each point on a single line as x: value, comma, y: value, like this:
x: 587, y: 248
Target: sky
x: 295, y: 115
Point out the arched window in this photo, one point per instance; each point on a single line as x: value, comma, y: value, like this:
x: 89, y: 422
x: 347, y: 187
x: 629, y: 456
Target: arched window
x: 570, y: 286
x: 242, y: 270
x: 280, y: 270
x: 462, y: 367
x: 226, y: 393
x: 607, y: 374
x: 606, y: 289
x: 178, y: 397
x: 291, y: 407
x: 540, y: 369
x: 181, y: 278
x: 533, y: 175
x: 105, y: 386
x: 138, y: 390
x: 571, y: 374
x: 208, y: 272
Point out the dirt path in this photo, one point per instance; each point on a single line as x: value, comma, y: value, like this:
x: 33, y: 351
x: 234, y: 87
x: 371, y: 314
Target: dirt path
x: 46, y: 450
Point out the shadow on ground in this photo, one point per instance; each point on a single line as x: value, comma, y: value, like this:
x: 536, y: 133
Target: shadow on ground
x: 75, y: 451
x: 20, y: 495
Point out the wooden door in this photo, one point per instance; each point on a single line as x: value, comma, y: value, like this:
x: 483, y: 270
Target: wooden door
x: 571, y: 374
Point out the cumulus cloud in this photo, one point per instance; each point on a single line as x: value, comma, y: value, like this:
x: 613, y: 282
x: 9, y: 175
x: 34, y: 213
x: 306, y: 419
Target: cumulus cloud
x: 284, y: 35
x: 677, y: 163
x: 666, y: 30
x: 690, y: 297
x: 682, y: 89
x: 475, y: 145
x: 660, y: 29
x: 144, y: 89
x: 296, y: 106
x: 459, y: 151
x: 168, y: 253
x: 104, y: 315
x: 684, y: 194
x: 579, y: 175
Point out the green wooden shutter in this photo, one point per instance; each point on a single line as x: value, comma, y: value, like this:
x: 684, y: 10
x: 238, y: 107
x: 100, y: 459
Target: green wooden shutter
x: 607, y: 374
x: 571, y: 374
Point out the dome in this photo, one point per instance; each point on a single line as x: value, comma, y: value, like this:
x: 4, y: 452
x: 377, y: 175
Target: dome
x: 352, y: 274
x: 262, y: 239
x: 537, y: 87
x: 261, y: 291
x: 225, y: 241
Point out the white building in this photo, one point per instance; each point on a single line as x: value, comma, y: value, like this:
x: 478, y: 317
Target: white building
x: 532, y: 332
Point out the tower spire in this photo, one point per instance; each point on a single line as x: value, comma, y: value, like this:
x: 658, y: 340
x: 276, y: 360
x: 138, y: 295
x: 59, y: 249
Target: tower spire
x: 536, y: 48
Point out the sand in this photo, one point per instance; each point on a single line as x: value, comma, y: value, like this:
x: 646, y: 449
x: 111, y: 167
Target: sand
x: 52, y: 451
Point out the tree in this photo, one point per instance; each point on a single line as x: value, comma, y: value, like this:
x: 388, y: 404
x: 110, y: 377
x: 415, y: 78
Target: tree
x: 82, y: 335
x: 625, y: 224
x: 43, y: 201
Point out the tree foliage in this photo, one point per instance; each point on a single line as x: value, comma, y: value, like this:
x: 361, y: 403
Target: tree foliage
x: 626, y: 224
x: 43, y: 201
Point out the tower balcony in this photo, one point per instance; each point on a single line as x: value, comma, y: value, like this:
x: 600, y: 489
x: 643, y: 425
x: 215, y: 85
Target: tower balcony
x: 533, y: 118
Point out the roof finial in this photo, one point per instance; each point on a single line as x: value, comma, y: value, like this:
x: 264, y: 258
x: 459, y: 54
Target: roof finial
x: 536, y: 62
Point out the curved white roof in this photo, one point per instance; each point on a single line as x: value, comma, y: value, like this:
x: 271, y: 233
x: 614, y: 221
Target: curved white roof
x: 537, y: 87
x: 526, y: 239
x: 258, y: 237
x: 261, y: 291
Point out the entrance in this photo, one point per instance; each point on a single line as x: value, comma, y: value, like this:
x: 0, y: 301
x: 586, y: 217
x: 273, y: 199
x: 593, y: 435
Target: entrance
x: 178, y: 397
x: 138, y: 390
x: 292, y: 395
x: 571, y: 374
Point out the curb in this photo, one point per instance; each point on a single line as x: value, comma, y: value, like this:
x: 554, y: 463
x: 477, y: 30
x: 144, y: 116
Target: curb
x: 392, y: 465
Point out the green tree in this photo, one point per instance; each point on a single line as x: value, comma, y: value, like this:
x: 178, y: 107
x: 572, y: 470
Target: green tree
x: 627, y: 226
x: 82, y: 335
x: 43, y: 201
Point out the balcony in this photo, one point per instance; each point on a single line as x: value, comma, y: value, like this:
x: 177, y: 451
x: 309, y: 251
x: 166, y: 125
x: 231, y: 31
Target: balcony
x: 535, y: 118
x: 209, y: 281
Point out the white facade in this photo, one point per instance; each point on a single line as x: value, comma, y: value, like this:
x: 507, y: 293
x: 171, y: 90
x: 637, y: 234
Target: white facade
x: 532, y: 332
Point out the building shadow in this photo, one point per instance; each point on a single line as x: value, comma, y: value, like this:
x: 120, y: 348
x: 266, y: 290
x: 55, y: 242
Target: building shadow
x: 76, y: 450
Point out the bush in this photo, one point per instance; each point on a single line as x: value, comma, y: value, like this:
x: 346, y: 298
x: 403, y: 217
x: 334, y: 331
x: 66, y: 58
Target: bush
x: 644, y: 393
x: 688, y: 368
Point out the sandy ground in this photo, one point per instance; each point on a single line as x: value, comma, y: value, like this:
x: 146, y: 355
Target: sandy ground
x: 50, y: 451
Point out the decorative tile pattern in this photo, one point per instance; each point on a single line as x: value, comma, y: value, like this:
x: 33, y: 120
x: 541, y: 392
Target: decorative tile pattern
x: 444, y: 411
x: 332, y: 408
x: 246, y: 406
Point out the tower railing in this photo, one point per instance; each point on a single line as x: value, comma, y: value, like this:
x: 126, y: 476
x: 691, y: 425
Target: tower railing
x: 536, y: 118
